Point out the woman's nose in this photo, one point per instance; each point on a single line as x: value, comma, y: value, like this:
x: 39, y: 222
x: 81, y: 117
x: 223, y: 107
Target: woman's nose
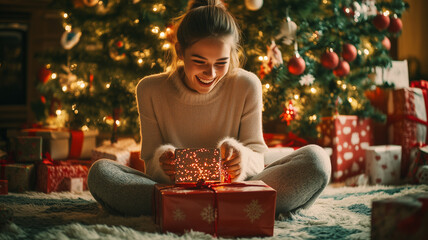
x: 209, y: 72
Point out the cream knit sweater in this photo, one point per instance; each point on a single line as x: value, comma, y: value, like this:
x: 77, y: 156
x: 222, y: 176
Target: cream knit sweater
x: 173, y: 116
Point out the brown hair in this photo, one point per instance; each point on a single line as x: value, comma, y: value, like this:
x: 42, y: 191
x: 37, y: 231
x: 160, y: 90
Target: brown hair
x: 206, y: 18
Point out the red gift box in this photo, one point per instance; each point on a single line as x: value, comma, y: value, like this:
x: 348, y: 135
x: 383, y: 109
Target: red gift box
x: 407, y: 122
x: 404, y: 217
x: 348, y: 136
x: 195, y: 164
x: 419, y: 84
x: 417, y: 161
x: 3, y: 187
x: 52, y: 176
x: 28, y: 149
x: 379, y: 99
x: 241, y: 209
x: 21, y: 177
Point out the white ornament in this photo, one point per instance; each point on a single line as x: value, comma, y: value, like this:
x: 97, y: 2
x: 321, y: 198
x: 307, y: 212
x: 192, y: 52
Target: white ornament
x: 307, y: 80
x: 274, y: 55
x: 70, y: 39
x: 90, y: 3
x: 287, y: 31
x: 254, y: 210
x: 253, y: 5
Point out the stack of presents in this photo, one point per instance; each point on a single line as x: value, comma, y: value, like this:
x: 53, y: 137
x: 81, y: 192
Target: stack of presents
x: 203, y: 199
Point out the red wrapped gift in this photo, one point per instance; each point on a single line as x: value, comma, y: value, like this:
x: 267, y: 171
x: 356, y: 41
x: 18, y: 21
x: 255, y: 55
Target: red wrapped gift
x: 20, y: 177
x: 419, y: 84
x: 404, y: 217
x: 51, y: 174
x: 194, y: 164
x: 28, y: 149
x: 240, y: 209
x: 417, y: 161
x: 407, y: 122
x: 3, y: 187
x: 348, y: 136
x: 379, y: 99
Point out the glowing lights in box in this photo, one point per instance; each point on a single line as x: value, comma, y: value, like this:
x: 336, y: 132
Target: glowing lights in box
x: 194, y: 164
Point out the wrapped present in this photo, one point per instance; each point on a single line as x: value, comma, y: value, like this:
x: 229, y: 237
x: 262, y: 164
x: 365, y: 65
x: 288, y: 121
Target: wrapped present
x: 228, y: 209
x: 383, y: 164
x: 404, y: 217
x: 72, y: 184
x: 379, y: 100
x: 119, y: 151
x: 348, y: 136
x: 62, y: 144
x: 3, y: 187
x: 419, y: 84
x: 195, y: 164
x: 52, y: 176
x: 397, y: 75
x: 20, y: 176
x: 136, y: 162
x: 407, y: 120
x: 28, y: 149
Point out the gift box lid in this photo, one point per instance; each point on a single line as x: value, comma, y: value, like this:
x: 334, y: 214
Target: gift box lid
x: 383, y: 148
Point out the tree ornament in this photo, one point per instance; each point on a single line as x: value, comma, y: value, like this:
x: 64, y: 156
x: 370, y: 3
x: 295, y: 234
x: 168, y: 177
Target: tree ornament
x: 289, y: 113
x: 90, y: 3
x: 44, y: 74
x: 381, y: 21
x: 70, y: 38
x: 395, y: 24
x: 287, y: 31
x: 349, y: 52
x: 253, y: 5
x: 342, y: 69
x: 348, y: 11
x: 274, y: 55
x: 296, y: 65
x: 307, y: 80
x: 329, y: 59
x: 117, y: 50
x: 386, y: 43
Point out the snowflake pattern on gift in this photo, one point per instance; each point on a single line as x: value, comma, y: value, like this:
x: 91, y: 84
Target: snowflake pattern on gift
x: 208, y: 214
x: 254, y: 210
x: 179, y: 215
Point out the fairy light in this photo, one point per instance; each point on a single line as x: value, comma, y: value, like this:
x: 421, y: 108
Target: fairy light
x: 296, y: 96
x: 58, y: 112
x: 366, y: 51
x: 350, y: 100
x: 166, y: 46
x: 386, y: 13
x: 73, y: 107
x: 313, y: 118
x: 65, y: 15
x: 64, y: 88
x: 67, y: 28
x: 313, y: 90
x: 84, y: 128
x: 140, y: 61
x: 76, y: 111
x: 343, y: 86
x: 265, y: 58
x: 136, y: 21
x: 339, y: 82
x: 117, y: 123
x: 53, y: 75
x: 81, y: 84
x: 260, y: 58
x: 155, y: 30
x: 108, y: 85
x: 162, y: 35
x: 267, y: 85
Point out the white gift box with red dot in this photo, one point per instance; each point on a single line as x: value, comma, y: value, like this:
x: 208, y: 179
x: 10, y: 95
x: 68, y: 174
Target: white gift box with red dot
x: 383, y: 164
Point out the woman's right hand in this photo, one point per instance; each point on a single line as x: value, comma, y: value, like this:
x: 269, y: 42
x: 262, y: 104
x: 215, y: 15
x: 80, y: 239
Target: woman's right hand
x: 167, y: 163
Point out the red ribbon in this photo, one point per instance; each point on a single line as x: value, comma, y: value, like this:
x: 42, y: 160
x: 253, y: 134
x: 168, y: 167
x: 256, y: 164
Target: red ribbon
x: 76, y: 144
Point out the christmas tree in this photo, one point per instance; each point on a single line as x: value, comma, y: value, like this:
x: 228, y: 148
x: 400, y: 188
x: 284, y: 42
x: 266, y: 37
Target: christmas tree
x: 314, y: 58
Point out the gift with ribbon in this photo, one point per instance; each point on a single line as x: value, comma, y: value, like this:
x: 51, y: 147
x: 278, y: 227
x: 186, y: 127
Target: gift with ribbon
x: 119, y: 151
x: 407, y: 122
x: 239, y: 209
x: 51, y: 175
x: 403, y: 217
x: 383, y: 164
x: 348, y: 136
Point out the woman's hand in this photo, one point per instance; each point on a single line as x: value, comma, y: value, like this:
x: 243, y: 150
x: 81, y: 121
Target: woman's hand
x: 167, y: 163
x: 231, y: 159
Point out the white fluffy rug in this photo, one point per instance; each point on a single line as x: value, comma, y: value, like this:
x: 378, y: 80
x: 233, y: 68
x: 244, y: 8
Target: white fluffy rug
x: 340, y: 213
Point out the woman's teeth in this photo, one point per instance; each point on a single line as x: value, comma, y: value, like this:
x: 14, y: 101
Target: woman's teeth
x: 205, y: 81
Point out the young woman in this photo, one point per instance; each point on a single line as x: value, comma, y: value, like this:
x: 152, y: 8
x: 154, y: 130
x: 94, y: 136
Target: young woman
x: 206, y: 100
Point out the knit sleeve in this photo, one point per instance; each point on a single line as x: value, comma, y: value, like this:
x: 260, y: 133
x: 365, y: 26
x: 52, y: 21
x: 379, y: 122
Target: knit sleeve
x: 152, y: 145
x: 250, y: 142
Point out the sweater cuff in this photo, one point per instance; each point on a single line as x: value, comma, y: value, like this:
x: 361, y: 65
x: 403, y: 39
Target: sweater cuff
x: 158, y: 173
x: 244, y: 156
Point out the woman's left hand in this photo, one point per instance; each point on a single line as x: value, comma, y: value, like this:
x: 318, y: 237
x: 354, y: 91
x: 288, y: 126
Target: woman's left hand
x: 231, y: 159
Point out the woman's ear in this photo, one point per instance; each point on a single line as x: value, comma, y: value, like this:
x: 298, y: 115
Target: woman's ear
x: 178, y: 51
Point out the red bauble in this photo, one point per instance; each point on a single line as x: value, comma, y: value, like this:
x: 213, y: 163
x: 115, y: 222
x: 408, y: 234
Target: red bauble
x: 396, y: 25
x: 349, y: 52
x: 44, y: 74
x: 329, y: 60
x: 342, y: 69
x: 386, y: 43
x: 296, y: 65
x: 381, y: 22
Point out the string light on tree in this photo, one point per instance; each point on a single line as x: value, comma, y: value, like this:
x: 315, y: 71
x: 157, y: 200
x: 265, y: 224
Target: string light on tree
x: 289, y: 113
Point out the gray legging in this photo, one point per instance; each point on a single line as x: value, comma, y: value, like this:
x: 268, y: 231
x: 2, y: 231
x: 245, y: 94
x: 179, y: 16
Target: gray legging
x: 299, y: 178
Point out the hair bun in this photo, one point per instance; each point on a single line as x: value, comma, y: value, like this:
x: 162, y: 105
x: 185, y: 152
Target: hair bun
x: 202, y: 3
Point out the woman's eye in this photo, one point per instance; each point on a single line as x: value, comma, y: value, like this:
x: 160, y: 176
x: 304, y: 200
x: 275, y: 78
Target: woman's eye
x: 221, y: 63
x: 198, y: 61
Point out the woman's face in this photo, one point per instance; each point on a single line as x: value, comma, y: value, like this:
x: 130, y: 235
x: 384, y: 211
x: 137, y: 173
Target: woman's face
x: 206, y: 62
